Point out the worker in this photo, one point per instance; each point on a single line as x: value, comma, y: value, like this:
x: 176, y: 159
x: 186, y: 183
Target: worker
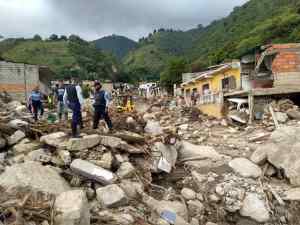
x: 74, y: 100
x: 61, y: 107
x: 35, y: 101
x: 102, y: 99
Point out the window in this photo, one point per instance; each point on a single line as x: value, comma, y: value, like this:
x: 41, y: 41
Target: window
x: 205, y: 89
x: 229, y: 83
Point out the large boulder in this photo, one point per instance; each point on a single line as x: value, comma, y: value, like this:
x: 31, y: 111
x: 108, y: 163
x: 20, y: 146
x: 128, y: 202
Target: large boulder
x: 34, y: 175
x: 53, y: 139
x: 255, y: 208
x: 72, y: 208
x: 78, y: 144
x: 245, y: 167
x: 111, y: 196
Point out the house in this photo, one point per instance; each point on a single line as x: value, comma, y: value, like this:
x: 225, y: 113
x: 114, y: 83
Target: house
x: 209, y: 86
x: 18, y: 79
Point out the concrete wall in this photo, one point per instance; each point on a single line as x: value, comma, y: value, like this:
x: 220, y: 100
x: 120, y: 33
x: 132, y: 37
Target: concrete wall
x: 15, y: 81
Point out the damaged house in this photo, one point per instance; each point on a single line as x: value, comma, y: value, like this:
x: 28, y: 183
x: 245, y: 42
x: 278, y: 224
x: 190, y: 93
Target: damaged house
x: 18, y: 79
x: 271, y: 73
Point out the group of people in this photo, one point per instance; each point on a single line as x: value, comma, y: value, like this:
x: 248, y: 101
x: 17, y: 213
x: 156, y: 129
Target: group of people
x: 70, y: 97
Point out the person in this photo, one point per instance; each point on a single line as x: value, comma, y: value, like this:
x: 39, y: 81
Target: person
x: 102, y: 99
x: 74, y: 100
x: 35, y: 101
x: 61, y: 107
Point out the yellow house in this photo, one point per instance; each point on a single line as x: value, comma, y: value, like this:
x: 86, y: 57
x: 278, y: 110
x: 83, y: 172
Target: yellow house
x: 206, y: 89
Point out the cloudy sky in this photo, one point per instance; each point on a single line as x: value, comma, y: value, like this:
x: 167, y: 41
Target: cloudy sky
x: 92, y: 19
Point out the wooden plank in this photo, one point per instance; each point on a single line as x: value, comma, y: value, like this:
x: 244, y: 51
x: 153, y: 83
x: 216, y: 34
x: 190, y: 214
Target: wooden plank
x: 273, y: 116
x: 251, y: 107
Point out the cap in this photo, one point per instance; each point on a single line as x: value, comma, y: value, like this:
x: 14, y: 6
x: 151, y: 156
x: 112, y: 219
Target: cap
x: 97, y: 83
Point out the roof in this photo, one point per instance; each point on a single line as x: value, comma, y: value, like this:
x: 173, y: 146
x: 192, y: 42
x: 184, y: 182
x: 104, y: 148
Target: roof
x: 209, y: 73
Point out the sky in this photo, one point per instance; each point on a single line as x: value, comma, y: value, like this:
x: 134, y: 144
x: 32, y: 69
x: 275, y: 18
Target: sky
x: 93, y: 19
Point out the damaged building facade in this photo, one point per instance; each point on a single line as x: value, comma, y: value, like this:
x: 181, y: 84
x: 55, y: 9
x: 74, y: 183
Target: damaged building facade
x: 18, y: 79
x: 272, y: 72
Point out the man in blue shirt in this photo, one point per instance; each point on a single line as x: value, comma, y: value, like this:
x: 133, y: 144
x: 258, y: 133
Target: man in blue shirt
x: 102, y: 99
x: 61, y: 107
x: 35, y: 100
x: 73, y: 98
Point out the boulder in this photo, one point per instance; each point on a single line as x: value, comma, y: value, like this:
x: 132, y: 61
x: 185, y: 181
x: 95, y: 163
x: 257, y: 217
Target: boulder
x: 26, y: 146
x: 153, y: 128
x: 106, y: 161
x: 91, y: 171
x: 17, y: 124
x: 131, y: 189
x: 111, y: 196
x: 188, y: 193
x: 16, y: 137
x: 2, y: 143
x: 281, y: 117
x: 255, y: 208
x: 34, y: 175
x: 72, y: 208
x: 293, y: 114
x: 292, y: 194
x: 53, y: 139
x: 259, y: 156
x: 87, y: 142
x: 245, y: 167
x: 126, y: 170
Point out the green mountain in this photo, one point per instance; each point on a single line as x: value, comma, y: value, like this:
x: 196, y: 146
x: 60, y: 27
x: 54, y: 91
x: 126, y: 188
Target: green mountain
x: 256, y: 23
x: 71, y: 57
x: 117, y: 45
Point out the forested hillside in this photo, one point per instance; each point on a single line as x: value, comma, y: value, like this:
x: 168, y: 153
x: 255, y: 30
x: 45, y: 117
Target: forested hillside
x: 255, y: 23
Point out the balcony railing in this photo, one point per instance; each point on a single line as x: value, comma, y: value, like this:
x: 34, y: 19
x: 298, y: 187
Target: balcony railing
x: 213, y: 98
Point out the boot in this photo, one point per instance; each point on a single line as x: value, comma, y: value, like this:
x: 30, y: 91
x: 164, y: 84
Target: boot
x: 74, y: 131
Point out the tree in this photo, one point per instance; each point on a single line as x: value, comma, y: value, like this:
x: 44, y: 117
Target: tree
x: 63, y: 38
x: 1, y: 37
x: 37, y: 37
x: 173, y: 73
x: 53, y: 37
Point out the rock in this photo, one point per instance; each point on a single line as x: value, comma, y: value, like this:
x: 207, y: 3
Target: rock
x: 153, y: 127
x: 131, y: 189
x: 73, y: 208
x: 17, y: 124
x: 126, y: 170
x: 53, y: 139
x: 271, y: 171
x: 106, y: 161
x: 130, y: 120
x: 259, y: 157
x: 259, y: 137
x: 174, y: 206
x: 167, y: 152
x: 194, y: 221
x: 111, y: 196
x: 16, y: 137
x: 195, y: 207
x: 255, y: 208
x: 118, y: 143
x: 25, y: 146
x: 116, y: 218
x: 245, y: 167
x: 65, y: 156
x: 184, y: 127
x: 188, y: 194
x: 34, y: 175
x: 198, y: 178
x: 87, y: 142
x: 130, y: 137
x: 292, y: 194
x: 39, y: 155
x: 214, y: 198
x: 293, y: 114
x: 2, y: 143
x: 281, y: 117
x: 210, y: 223
x: 148, y: 116
x: 91, y: 171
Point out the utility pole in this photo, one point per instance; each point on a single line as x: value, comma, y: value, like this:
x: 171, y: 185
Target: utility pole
x: 25, y: 82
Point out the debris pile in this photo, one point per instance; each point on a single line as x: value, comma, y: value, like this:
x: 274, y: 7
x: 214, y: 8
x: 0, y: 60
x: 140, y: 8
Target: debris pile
x: 167, y: 165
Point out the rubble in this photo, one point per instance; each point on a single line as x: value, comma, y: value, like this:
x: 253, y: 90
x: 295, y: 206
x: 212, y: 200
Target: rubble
x: 53, y: 139
x: 245, y: 167
x: 126, y: 170
x: 16, y: 137
x: 111, y: 196
x: 87, y: 142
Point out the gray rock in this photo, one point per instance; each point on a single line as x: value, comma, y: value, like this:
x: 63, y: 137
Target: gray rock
x: 73, y: 208
x: 131, y: 189
x: 255, y: 208
x: 106, y: 161
x: 65, y: 156
x: 91, y: 171
x: 126, y: 170
x: 188, y: 193
x: 153, y: 128
x: 195, y: 207
x: 118, y: 143
x: 39, y: 155
x: 259, y: 157
x: 293, y: 114
x: 281, y: 117
x: 108, y: 217
x: 25, y: 146
x: 2, y: 143
x: 54, y: 139
x: 78, y: 144
x: 16, y: 137
x: 111, y: 196
x: 34, y: 175
x: 17, y: 124
x: 245, y: 167
x: 292, y: 194
x: 130, y: 137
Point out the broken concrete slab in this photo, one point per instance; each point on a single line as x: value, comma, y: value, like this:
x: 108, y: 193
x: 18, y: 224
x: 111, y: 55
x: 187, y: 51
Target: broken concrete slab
x: 34, y: 175
x: 72, y: 208
x: 111, y: 196
x: 87, y: 142
x: 245, y: 167
x: 126, y: 170
x: 91, y: 171
x: 53, y: 139
x: 16, y: 137
x: 255, y: 208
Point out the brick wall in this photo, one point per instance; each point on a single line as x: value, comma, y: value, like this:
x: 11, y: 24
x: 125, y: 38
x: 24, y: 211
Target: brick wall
x: 286, y: 62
